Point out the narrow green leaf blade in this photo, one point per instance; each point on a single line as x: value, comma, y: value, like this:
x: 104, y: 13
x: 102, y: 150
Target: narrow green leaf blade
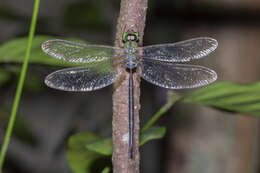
x: 20, y: 84
x: 242, y: 98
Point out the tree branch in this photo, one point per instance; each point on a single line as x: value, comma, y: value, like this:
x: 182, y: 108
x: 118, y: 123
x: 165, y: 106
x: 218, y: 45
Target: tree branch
x: 132, y: 16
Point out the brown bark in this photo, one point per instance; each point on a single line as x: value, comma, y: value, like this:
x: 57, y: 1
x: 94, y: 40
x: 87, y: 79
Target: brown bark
x: 132, y: 16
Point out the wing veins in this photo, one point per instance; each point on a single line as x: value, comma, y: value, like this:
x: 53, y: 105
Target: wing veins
x: 180, y: 51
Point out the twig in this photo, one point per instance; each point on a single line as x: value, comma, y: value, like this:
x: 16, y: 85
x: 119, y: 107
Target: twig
x: 171, y: 100
x: 132, y: 16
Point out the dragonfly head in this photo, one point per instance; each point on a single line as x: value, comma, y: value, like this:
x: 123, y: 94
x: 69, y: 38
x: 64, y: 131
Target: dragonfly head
x: 130, y: 35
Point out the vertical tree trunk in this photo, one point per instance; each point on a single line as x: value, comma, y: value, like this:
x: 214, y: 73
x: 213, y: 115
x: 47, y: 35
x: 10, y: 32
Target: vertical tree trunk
x: 132, y: 16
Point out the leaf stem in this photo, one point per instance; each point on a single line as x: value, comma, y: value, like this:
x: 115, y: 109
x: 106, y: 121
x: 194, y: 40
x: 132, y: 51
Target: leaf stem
x: 172, y: 99
x: 20, y: 85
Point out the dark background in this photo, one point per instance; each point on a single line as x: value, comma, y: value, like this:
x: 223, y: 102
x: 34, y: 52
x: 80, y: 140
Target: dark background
x: 198, y: 139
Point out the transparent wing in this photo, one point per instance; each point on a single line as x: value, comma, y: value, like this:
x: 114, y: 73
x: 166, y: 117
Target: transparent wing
x: 78, y: 53
x: 181, y: 51
x: 85, y: 78
x: 176, y: 76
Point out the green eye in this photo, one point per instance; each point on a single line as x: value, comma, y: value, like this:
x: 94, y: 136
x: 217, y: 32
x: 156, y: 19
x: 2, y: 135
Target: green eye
x: 136, y: 35
x: 124, y: 36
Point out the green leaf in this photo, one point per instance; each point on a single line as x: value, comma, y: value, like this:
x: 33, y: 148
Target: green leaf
x: 243, y: 98
x: 81, y: 160
x: 101, y: 146
x: 13, y: 51
x: 106, y: 170
x: 105, y: 146
x: 151, y: 134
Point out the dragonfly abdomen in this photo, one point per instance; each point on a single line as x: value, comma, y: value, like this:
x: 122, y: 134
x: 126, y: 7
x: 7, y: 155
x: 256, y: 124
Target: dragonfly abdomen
x: 130, y: 61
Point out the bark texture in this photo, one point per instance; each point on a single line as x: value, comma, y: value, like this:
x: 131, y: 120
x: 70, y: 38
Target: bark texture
x: 132, y: 16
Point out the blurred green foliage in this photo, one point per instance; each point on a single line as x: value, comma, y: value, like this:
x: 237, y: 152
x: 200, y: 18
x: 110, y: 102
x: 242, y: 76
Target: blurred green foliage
x: 105, y: 146
x: 239, y: 98
x: 106, y: 170
x: 85, y: 148
x: 13, y: 51
x: 81, y: 159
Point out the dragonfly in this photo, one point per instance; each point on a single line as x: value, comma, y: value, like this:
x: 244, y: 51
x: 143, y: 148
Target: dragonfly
x: 162, y: 65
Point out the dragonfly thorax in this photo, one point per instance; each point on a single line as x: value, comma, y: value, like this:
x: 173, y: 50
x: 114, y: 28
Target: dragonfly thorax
x: 130, y: 55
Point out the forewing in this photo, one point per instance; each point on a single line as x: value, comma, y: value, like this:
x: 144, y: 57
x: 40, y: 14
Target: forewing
x: 181, y: 51
x: 85, y: 78
x: 78, y: 53
x: 177, y: 76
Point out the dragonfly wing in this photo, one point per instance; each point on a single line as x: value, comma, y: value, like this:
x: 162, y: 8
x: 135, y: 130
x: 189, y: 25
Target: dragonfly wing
x: 77, y: 52
x: 85, y: 78
x: 181, y: 51
x: 176, y: 76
